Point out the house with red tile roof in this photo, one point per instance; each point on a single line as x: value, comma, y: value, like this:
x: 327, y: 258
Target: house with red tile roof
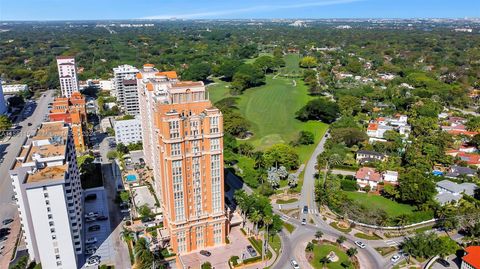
x: 471, y: 260
x: 469, y: 158
x: 368, y: 176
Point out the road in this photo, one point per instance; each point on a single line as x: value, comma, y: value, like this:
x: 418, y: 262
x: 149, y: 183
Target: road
x: 294, y: 244
x: 9, y: 150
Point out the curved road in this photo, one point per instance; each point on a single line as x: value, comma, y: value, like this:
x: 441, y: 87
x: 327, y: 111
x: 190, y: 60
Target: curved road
x: 293, y: 246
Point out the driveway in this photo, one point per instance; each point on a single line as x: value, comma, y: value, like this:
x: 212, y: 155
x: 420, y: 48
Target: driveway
x: 220, y: 255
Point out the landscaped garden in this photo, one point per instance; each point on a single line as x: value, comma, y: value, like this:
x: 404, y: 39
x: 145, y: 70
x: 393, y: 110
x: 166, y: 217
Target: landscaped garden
x: 323, y: 251
x: 392, y: 208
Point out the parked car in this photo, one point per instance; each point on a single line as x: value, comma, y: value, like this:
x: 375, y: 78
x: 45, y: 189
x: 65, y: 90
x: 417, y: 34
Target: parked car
x: 87, y: 220
x: 251, y: 251
x: 294, y: 264
x: 360, y: 244
x: 7, y: 221
x: 91, y: 240
x: 29, y: 124
x: 90, y: 250
x: 90, y: 197
x: 304, y: 221
x: 94, y: 228
x: 91, y: 215
x: 100, y: 218
x: 92, y: 263
x: 395, y: 258
x: 443, y: 262
x: 3, y: 238
x: 205, y: 253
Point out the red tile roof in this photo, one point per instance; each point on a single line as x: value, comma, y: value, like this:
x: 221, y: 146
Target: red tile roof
x: 462, y: 132
x: 168, y: 74
x: 473, y: 256
x: 139, y: 75
x: 367, y: 173
x: 470, y: 158
x: 150, y: 86
x: 372, y: 126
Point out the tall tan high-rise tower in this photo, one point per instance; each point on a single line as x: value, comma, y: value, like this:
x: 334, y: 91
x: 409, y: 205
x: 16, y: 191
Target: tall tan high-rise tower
x: 182, y: 141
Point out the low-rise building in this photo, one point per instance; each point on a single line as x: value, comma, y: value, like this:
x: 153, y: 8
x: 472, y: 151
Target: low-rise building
x: 471, y: 260
x: 14, y: 88
x: 449, y: 191
x: 390, y: 177
x: 106, y: 123
x: 366, y: 156
x: 128, y: 131
x: 456, y: 171
x: 368, y: 176
x: 72, y: 111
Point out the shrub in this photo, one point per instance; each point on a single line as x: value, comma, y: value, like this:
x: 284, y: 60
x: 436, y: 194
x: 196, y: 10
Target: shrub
x: 206, y: 265
x: 234, y: 260
x: 348, y: 185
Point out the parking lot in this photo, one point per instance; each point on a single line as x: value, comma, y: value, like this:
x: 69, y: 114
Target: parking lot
x: 104, y: 240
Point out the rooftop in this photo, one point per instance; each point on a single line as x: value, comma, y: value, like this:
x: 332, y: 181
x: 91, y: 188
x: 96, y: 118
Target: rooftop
x: 47, y: 173
x: 453, y: 187
x: 473, y: 256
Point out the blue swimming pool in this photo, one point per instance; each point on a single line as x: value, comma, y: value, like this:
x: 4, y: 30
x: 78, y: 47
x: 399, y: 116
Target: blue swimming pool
x: 130, y: 178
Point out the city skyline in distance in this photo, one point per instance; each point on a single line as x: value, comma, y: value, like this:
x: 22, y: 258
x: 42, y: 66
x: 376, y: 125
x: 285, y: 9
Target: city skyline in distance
x: 25, y: 10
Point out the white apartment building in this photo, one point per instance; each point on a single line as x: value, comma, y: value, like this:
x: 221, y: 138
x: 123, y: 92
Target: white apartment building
x: 3, y: 106
x: 14, y: 88
x: 125, y: 85
x: 67, y: 74
x: 128, y: 131
x: 47, y: 186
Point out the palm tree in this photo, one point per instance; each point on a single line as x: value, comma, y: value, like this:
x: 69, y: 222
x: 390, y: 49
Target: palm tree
x: 267, y: 221
x: 318, y: 234
x: 256, y: 217
x: 351, y: 252
x: 402, y: 220
x: 126, y: 236
x: 324, y: 261
x: 143, y: 255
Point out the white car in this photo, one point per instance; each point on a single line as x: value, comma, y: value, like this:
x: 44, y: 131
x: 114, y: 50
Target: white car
x: 294, y: 264
x: 304, y: 222
x: 92, y: 263
x: 360, y: 244
x: 395, y: 258
x: 91, y: 240
x: 91, y: 215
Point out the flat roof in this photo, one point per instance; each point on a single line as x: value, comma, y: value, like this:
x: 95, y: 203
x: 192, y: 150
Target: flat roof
x: 47, y: 173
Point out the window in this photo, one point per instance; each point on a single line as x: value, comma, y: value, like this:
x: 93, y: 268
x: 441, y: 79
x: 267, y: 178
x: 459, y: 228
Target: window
x: 51, y: 223
x: 217, y: 233
x: 178, y: 190
x: 174, y: 129
x: 176, y: 149
x: 214, y: 144
x: 50, y: 216
x: 182, y: 246
x: 216, y: 184
x: 199, y: 235
x: 54, y: 237
x: 52, y: 230
x: 45, y: 195
x: 59, y: 263
x: 214, y: 124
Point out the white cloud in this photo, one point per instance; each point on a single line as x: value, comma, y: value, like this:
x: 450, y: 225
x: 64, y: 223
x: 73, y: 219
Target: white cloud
x: 232, y: 11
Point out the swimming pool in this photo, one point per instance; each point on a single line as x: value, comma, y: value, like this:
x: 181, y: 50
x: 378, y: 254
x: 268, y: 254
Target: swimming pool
x: 130, y: 178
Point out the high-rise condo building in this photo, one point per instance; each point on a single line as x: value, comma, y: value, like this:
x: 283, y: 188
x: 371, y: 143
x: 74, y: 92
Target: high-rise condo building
x: 67, y: 74
x: 126, y: 88
x: 182, y: 142
x: 47, y: 186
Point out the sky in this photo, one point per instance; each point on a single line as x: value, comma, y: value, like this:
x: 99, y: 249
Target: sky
x: 234, y: 9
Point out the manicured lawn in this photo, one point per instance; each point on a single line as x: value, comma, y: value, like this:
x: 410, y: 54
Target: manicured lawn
x: 373, y: 201
x: 218, y: 90
x: 271, y: 110
x: 367, y: 236
x: 323, y: 250
x: 384, y: 251
x: 275, y: 243
x: 341, y: 229
x: 290, y: 228
x: 281, y: 201
x: 291, y: 63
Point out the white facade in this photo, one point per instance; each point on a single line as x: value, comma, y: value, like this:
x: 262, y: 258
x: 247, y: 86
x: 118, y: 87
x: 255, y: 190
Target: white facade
x: 47, y: 186
x: 125, y: 84
x: 128, y: 131
x: 14, y: 88
x: 3, y: 106
x: 67, y: 74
